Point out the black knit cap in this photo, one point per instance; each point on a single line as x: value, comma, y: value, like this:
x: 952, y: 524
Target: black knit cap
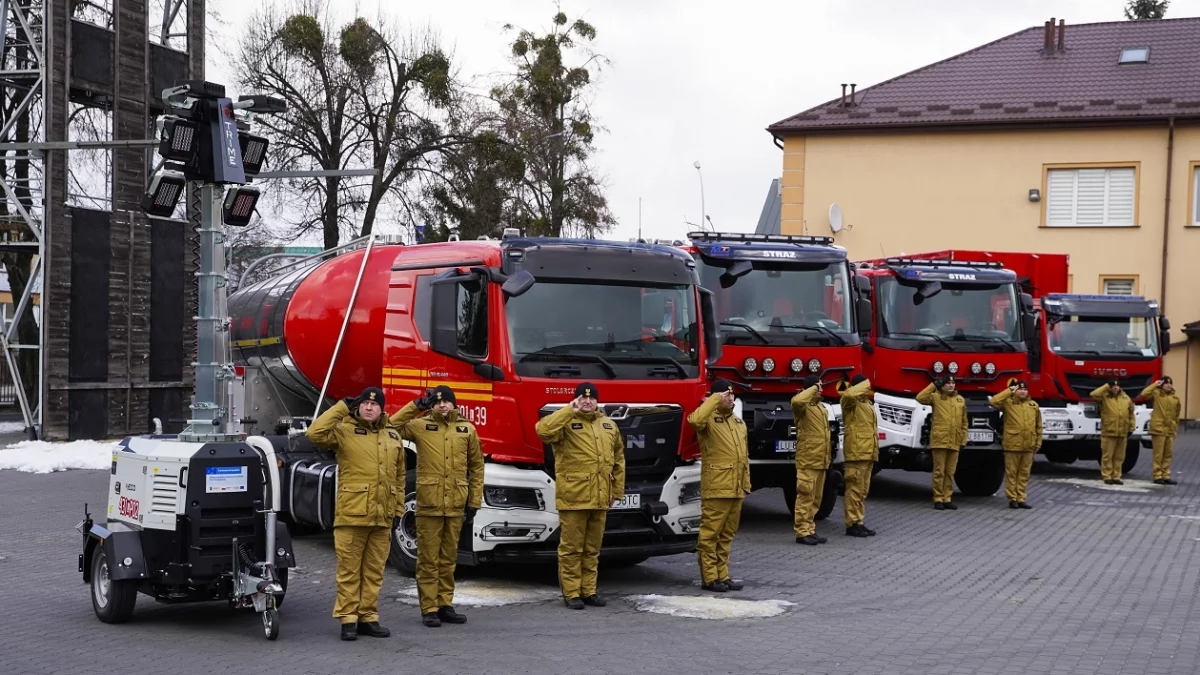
x: 1021, y: 384
x: 370, y: 394
x: 811, y: 381
x: 721, y: 385
x: 858, y: 379
x: 587, y: 390
x: 1167, y: 380
x: 443, y: 393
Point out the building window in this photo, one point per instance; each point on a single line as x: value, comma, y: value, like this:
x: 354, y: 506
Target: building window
x: 1119, y: 285
x: 1195, y: 215
x: 1091, y: 197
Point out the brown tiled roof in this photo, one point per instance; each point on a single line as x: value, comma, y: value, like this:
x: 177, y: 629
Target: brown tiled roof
x: 1013, y: 80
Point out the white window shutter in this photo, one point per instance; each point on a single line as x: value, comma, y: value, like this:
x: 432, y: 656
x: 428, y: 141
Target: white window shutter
x: 1118, y: 286
x: 1091, y: 197
x: 1060, y: 197
x: 1121, y: 184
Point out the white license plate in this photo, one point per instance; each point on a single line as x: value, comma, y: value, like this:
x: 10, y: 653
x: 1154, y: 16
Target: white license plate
x: 785, y: 446
x: 979, y: 437
x: 631, y: 501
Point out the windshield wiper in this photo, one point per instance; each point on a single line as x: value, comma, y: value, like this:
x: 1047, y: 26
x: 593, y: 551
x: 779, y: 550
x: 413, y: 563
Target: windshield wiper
x: 753, y: 332
x: 589, y: 358
x: 820, y: 329
x: 945, y: 344
x: 646, y: 358
x: 1002, y: 341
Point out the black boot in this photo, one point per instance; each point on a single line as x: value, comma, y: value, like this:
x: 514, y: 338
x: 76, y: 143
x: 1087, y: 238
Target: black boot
x: 820, y: 539
x: 729, y: 583
x: 869, y: 531
x: 808, y: 540
x: 1109, y: 481
x: 938, y: 506
x: 349, y: 631
x: 595, y: 600
x: 431, y: 620
x: 1023, y: 505
x: 1012, y: 504
x: 1118, y: 481
x: 448, y: 615
x: 856, y: 530
x: 373, y: 629
x: 574, y: 603
x: 949, y: 507
x: 1168, y: 481
x: 717, y: 586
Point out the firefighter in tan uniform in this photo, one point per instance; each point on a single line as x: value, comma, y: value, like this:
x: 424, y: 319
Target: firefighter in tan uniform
x: 1117, y: 422
x: 449, y: 490
x: 370, y: 489
x: 724, y: 483
x: 1022, y: 439
x: 1164, y: 424
x: 589, y: 474
x: 860, y: 451
x: 946, y: 438
x: 812, y: 459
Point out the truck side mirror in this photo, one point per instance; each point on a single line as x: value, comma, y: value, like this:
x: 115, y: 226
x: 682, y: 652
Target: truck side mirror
x: 444, y: 311
x: 737, y: 270
x: 863, y: 284
x: 1164, y: 324
x: 712, y: 335
x: 518, y: 284
x: 862, y: 308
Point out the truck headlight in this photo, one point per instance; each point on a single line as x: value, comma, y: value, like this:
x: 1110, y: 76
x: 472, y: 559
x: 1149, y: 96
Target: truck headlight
x: 689, y: 492
x: 513, y: 498
x: 938, y: 367
x: 1057, y: 425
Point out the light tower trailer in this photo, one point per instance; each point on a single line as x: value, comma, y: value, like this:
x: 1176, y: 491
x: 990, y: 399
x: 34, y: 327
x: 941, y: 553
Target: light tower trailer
x: 194, y: 517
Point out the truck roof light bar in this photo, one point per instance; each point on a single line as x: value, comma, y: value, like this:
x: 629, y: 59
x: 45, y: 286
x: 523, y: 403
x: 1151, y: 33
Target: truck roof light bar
x: 1061, y: 297
x: 989, y: 264
x: 761, y: 238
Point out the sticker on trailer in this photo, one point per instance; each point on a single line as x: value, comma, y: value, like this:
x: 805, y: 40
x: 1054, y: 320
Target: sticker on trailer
x: 226, y: 479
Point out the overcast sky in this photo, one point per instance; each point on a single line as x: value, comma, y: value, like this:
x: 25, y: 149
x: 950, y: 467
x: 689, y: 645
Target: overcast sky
x: 700, y: 80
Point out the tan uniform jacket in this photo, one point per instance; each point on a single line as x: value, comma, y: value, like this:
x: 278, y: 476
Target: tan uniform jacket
x: 813, y: 443
x: 949, y: 418
x: 449, y: 461
x: 370, y: 458
x: 1022, y: 422
x: 589, y: 458
x: 860, y: 429
x: 724, y: 451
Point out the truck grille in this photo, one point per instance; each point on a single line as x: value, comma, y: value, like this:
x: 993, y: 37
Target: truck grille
x: 1084, y: 385
x: 900, y: 417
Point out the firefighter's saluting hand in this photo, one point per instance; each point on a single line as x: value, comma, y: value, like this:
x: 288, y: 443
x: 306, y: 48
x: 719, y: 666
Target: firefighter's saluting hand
x: 370, y: 482
x: 724, y: 483
x: 449, y: 489
x: 589, y: 475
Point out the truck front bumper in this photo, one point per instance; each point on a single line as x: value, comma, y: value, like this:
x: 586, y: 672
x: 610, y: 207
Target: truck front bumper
x: 1080, y: 422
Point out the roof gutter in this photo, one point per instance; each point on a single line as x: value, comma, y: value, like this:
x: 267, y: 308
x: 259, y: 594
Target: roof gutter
x: 778, y: 141
x: 1162, y: 284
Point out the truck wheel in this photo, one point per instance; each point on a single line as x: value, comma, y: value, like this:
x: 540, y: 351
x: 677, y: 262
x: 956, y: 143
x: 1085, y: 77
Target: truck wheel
x: 619, y: 563
x: 403, y: 555
x: 1060, y: 456
x: 980, y: 475
x: 112, y: 600
x: 1132, y: 450
x: 833, y: 485
x: 789, y: 496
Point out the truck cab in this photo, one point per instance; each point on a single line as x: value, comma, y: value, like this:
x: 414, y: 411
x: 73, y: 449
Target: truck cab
x: 1088, y: 340
x: 786, y: 309
x: 937, y: 315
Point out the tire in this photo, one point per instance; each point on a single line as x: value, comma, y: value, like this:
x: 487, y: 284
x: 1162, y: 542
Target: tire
x: 112, y: 600
x: 621, y: 563
x: 1132, y: 450
x: 1060, y: 456
x: 833, y: 485
x: 980, y: 475
x: 270, y: 619
x: 789, y: 496
x: 403, y: 553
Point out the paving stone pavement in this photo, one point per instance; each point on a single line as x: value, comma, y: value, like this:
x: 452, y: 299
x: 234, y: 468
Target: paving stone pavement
x: 1093, y: 580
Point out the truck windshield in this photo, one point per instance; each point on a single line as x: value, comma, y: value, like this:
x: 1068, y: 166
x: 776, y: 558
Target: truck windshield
x: 958, y: 313
x: 1132, y: 336
x: 780, y: 305
x: 617, y: 322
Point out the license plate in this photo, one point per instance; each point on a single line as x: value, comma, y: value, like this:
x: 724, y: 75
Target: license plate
x: 630, y: 501
x: 979, y: 437
x: 785, y: 446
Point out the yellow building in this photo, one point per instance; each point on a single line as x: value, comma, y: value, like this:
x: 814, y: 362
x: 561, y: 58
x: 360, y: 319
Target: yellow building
x: 1066, y: 139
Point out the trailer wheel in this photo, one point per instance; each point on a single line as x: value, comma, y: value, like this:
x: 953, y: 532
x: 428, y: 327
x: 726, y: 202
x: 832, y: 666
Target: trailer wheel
x: 113, y: 600
x: 403, y: 554
x: 980, y: 474
x: 270, y: 619
x: 1132, y: 450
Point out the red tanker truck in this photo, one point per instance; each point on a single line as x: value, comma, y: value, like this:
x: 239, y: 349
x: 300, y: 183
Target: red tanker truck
x: 512, y: 325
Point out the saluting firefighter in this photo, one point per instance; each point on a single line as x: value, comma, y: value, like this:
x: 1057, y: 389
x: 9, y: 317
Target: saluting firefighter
x: 1022, y: 439
x: 449, y: 490
x: 813, y: 446
x: 1164, y: 424
x: 947, y: 436
x: 1116, y: 424
x: 860, y: 451
x: 589, y: 474
x: 724, y: 483
x: 370, y: 460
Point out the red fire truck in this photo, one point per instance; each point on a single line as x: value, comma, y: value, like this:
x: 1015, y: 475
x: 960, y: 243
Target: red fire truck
x: 941, y: 314
x: 1084, y: 341
x: 787, y: 309
x: 512, y: 325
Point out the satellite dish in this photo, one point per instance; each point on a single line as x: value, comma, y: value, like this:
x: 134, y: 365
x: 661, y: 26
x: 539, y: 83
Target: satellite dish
x: 835, y: 217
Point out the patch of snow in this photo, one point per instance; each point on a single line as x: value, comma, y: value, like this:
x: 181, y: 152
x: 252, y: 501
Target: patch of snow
x: 11, y: 427
x: 1131, y: 485
x: 704, y: 607
x: 1185, y: 517
x: 45, y: 457
x: 488, y: 593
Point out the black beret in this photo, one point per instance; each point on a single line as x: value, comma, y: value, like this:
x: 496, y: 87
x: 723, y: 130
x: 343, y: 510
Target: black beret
x: 443, y: 393
x: 587, y: 390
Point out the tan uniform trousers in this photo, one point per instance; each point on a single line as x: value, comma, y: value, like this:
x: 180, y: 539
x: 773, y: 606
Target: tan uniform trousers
x: 810, y: 485
x: 944, y: 463
x: 1017, y: 466
x: 1112, y: 456
x: 437, y: 556
x: 858, y: 484
x: 580, y: 536
x: 362, y: 553
x: 719, y: 520
x: 1164, y: 448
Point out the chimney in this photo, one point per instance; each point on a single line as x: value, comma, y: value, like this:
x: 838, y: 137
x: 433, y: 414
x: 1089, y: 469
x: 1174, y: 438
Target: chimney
x: 843, y: 95
x: 1048, y: 37
x: 852, y: 86
x: 1062, y: 29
